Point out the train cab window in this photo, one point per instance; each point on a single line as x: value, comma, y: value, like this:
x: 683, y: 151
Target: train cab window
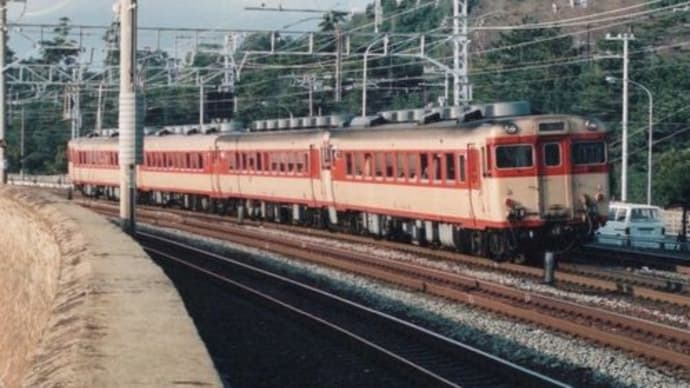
x: 552, y: 154
x: 514, y: 156
x: 378, y: 167
x: 451, y: 176
x: 349, y: 166
x: 412, y: 166
x: 589, y: 153
x: 390, y: 169
x: 461, y: 168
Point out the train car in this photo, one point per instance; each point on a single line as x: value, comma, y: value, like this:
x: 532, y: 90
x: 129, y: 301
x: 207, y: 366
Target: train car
x: 499, y: 186
x: 93, y: 165
x: 179, y: 170
x: 275, y: 175
x: 496, y: 182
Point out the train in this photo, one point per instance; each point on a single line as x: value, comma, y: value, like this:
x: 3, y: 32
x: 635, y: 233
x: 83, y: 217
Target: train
x: 495, y: 180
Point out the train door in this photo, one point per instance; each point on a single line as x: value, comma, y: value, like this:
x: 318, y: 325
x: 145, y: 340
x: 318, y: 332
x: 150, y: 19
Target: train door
x: 327, y: 154
x: 473, y: 180
x: 553, y: 178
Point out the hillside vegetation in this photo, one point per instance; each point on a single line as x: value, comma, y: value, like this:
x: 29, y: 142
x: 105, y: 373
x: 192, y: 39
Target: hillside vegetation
x: 559, y: 70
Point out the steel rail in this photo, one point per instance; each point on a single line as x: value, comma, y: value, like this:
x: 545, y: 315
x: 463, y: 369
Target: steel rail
x: 493, y: 363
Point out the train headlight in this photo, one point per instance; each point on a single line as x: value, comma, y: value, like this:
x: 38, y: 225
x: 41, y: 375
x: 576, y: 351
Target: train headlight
x: 510, y: 128
x: 591, y: 125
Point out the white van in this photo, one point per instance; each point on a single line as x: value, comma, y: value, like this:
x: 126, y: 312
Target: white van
x: 633, y: 225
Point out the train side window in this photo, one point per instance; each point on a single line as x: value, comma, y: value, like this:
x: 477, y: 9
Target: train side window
x: 424, y: 166
x: 437, y: 167
x: 259, y: 162
x: 401, y: 166
x: 552, y: 154
x: 305, y: 157
x: 390, y: 169
x: 200, y: 159
x: 451, y: 176
x: 378, y: 168
x: 462, y: 168
x: 359, y: 163
x: 412, y: 166
x: 349, y: 168
x: 368, y: 165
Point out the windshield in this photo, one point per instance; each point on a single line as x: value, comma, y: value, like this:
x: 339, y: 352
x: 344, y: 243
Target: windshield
x: 514, y: 156
x: 589, y: 153
x: 644, y: 215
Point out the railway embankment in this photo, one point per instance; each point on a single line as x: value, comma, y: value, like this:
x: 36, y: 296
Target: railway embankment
x: 81, y: 305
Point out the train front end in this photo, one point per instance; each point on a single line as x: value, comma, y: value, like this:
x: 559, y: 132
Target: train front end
x: 554, y: 176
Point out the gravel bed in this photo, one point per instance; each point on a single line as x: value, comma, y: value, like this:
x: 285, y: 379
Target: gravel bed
x: 579, y: 362
x: 674, y: 276
x: 620, y: 304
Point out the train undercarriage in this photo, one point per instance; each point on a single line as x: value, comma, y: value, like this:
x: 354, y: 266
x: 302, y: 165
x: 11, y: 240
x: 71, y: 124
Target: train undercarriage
x: 519, y: 245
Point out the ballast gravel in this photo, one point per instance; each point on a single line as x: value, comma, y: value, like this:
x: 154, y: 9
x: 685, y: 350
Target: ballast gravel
x: 613, y: 303
x: 583, y: 363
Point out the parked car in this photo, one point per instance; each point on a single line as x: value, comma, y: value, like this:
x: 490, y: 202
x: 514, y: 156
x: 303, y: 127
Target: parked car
x: 633, y: 225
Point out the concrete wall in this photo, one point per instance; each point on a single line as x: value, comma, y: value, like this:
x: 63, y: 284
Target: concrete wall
x: 81, y: 305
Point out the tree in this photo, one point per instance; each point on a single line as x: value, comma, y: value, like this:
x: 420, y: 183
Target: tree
x: 672, y: 184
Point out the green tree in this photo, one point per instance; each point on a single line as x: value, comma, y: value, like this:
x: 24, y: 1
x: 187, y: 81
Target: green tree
x: 672, y: 182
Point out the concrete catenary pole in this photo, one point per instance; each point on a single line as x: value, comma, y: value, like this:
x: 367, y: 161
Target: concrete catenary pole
x: 461, y: 92
x: 127, y: 114
x: 626, y: 37
x: 3, y: 104
x: 22, y: 149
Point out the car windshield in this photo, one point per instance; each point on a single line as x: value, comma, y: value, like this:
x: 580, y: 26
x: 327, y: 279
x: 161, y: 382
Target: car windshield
x: 644, y: 215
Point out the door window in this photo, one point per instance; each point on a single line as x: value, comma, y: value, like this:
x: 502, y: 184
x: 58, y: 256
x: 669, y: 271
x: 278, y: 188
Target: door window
x: 552, y: 154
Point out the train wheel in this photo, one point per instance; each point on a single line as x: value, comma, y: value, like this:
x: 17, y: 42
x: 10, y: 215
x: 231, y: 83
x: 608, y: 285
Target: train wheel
x: 477, y: 243
x: 497, y: 245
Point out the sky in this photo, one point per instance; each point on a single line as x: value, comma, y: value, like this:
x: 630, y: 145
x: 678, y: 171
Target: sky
x: 213, y: 14
x: 177, y: 13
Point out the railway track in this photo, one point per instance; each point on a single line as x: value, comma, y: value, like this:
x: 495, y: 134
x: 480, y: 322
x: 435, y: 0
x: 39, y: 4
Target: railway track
x: 429, y: 360
x: 664, y: 290
x: 661, y: 344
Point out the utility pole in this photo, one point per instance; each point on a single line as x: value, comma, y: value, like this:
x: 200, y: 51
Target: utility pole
x: 201, y: 107
x: 127, y: 115
x: 3, y: 103
x: 625, y: 37
x: 461, y: 84
x: 22, y: 151
x: 338, y: 63
x: 378, y: 15
x: 99, y: 110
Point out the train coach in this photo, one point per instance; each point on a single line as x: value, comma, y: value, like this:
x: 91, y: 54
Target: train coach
x: 499, y: 182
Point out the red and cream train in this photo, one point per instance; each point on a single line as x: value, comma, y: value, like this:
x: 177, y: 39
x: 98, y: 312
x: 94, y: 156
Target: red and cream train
x: 496, y: 185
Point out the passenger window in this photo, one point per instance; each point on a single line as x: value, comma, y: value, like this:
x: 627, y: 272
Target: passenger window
x: 424, y: 166
x: 402, y: 170
x: 412, y: 166
x: 348, y: 164
x: 552, y: 154
x: 437, y: 167
x: 358, y: 164
x: 368, y: 168
x: 379, y: 164
x: 463, y: 174
x: 450, y: 168
x: 389, y: 165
